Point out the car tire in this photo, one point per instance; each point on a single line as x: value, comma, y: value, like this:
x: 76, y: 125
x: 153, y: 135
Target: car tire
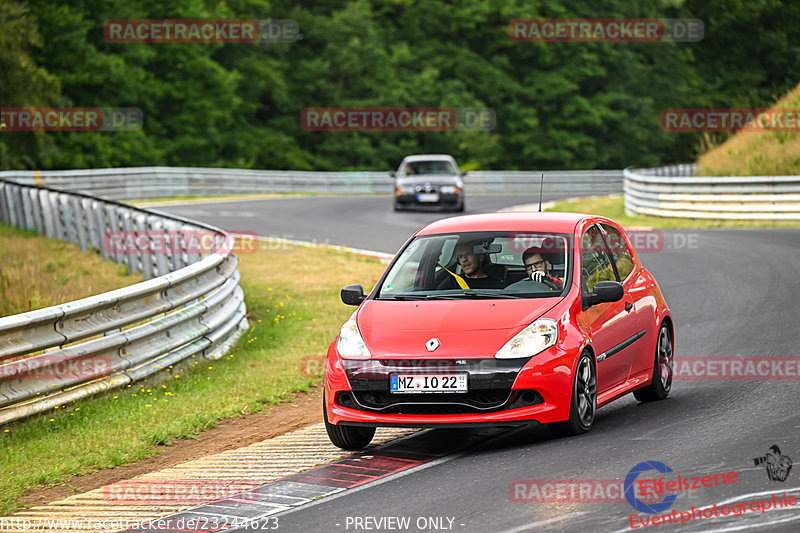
x: 348, y: 438
x: 583, y: 405
x: 460, y: 207
x: 663, y: 369
x: 397, y: 207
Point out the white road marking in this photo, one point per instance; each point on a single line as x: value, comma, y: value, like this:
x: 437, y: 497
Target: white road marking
x: 533, y: 525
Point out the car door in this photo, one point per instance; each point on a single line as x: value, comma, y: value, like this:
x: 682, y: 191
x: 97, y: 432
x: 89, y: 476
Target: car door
x: 611, y: 325
x: 639, y: 290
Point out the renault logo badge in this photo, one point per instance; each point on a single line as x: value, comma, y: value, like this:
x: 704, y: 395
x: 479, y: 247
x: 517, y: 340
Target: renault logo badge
x: 432, y: 344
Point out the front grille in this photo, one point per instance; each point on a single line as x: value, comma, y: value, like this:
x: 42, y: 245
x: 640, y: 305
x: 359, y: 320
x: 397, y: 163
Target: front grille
x: 489, y: 373
x: 490, y: 381
x: 480, y: 399
x: 476, y: 401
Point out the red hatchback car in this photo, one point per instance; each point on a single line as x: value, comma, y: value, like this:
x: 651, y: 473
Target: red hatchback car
x: 501, y: 319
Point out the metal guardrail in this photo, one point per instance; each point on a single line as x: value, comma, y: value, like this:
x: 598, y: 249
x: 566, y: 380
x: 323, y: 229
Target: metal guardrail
x: 164, y: 182
x: 574, y: 182
x: 188, y: 305
x: 674, y: 191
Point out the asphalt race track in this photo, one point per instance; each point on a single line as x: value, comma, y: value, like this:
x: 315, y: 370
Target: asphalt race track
x: 359, y: 221
x: 731, y: 292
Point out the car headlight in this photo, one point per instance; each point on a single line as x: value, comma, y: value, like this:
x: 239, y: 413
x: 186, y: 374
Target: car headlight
x: 535, y: 338
x: 350, y: 345
x: 448, y: 189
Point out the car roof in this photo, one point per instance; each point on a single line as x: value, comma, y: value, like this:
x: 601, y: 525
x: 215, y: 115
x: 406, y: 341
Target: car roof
x: 554, y: 222
x: 428, y: 157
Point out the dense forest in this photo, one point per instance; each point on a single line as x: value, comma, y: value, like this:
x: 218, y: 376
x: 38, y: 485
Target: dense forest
x: 573, y: 105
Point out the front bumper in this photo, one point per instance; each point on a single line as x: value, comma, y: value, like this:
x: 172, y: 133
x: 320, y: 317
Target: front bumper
x: 450, y: 200
x: 499, y: 391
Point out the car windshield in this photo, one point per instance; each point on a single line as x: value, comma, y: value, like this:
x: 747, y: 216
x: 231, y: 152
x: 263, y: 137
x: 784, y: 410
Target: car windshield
x: 429, y: 167
x: 480, y: 265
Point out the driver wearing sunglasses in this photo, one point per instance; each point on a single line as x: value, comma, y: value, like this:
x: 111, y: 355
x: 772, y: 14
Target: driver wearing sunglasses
x: 537, y: 267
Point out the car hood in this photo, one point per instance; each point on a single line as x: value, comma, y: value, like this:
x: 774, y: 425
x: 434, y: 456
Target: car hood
x: 465, y: 328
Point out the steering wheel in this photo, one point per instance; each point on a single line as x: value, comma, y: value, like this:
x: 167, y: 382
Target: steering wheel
x: 539, y: 277
x: 550, y: 284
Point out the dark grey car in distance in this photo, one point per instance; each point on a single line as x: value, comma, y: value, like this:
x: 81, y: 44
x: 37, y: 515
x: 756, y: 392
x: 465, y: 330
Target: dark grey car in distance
x: 428, y: 180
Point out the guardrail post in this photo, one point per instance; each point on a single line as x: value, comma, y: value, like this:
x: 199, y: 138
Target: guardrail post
x: 161, y: 263
x: 4, y: 210
x: 192, y: 255
x: 81, y: 219
x: 27, y: 210
x: 70, y: 218
x: 111, y: 231
x: 173, y: 258
x: 145, y: 256
x: 45, y: 199
x: 94, y: 236
x: 61, y: 217
x: 38, y: 218
x: 132, y: 256
x: 14, y: 205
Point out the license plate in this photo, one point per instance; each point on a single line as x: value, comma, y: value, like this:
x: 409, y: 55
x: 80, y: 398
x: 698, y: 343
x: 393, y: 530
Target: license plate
x: 428, y: 197
x: 410, y: 383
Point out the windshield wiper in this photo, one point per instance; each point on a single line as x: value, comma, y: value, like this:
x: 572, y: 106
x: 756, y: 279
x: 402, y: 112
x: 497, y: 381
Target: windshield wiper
x: 405, y: 297
x: 476, y: 294
x: 449, y: 296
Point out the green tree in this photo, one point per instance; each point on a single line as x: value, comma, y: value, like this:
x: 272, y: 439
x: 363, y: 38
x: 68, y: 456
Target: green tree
x: 22, y: 83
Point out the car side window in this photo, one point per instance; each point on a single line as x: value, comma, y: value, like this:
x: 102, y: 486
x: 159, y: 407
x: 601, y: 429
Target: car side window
x: 619, y: 251
x: 595, y: 260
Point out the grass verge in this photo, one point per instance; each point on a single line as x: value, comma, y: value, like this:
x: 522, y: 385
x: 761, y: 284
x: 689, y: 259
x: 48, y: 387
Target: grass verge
x: 757, y: 153
x: 292, y: 297
x: 613, y: 207
x: 38, y: 272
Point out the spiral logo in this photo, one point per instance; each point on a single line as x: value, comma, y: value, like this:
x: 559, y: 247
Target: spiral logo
x: 636, y: 503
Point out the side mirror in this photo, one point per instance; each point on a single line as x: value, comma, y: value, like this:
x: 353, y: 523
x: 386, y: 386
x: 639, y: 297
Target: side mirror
x: 392, y: 174
x: 606, y: 291
x: 464, y: 174
x: 354, y: 294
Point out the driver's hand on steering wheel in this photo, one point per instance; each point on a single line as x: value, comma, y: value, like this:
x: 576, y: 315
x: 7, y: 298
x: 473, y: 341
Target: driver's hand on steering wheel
x: 537, y: 275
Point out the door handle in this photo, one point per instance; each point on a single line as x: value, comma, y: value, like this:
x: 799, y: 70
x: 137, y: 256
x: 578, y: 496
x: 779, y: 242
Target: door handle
x: 628, y: 306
